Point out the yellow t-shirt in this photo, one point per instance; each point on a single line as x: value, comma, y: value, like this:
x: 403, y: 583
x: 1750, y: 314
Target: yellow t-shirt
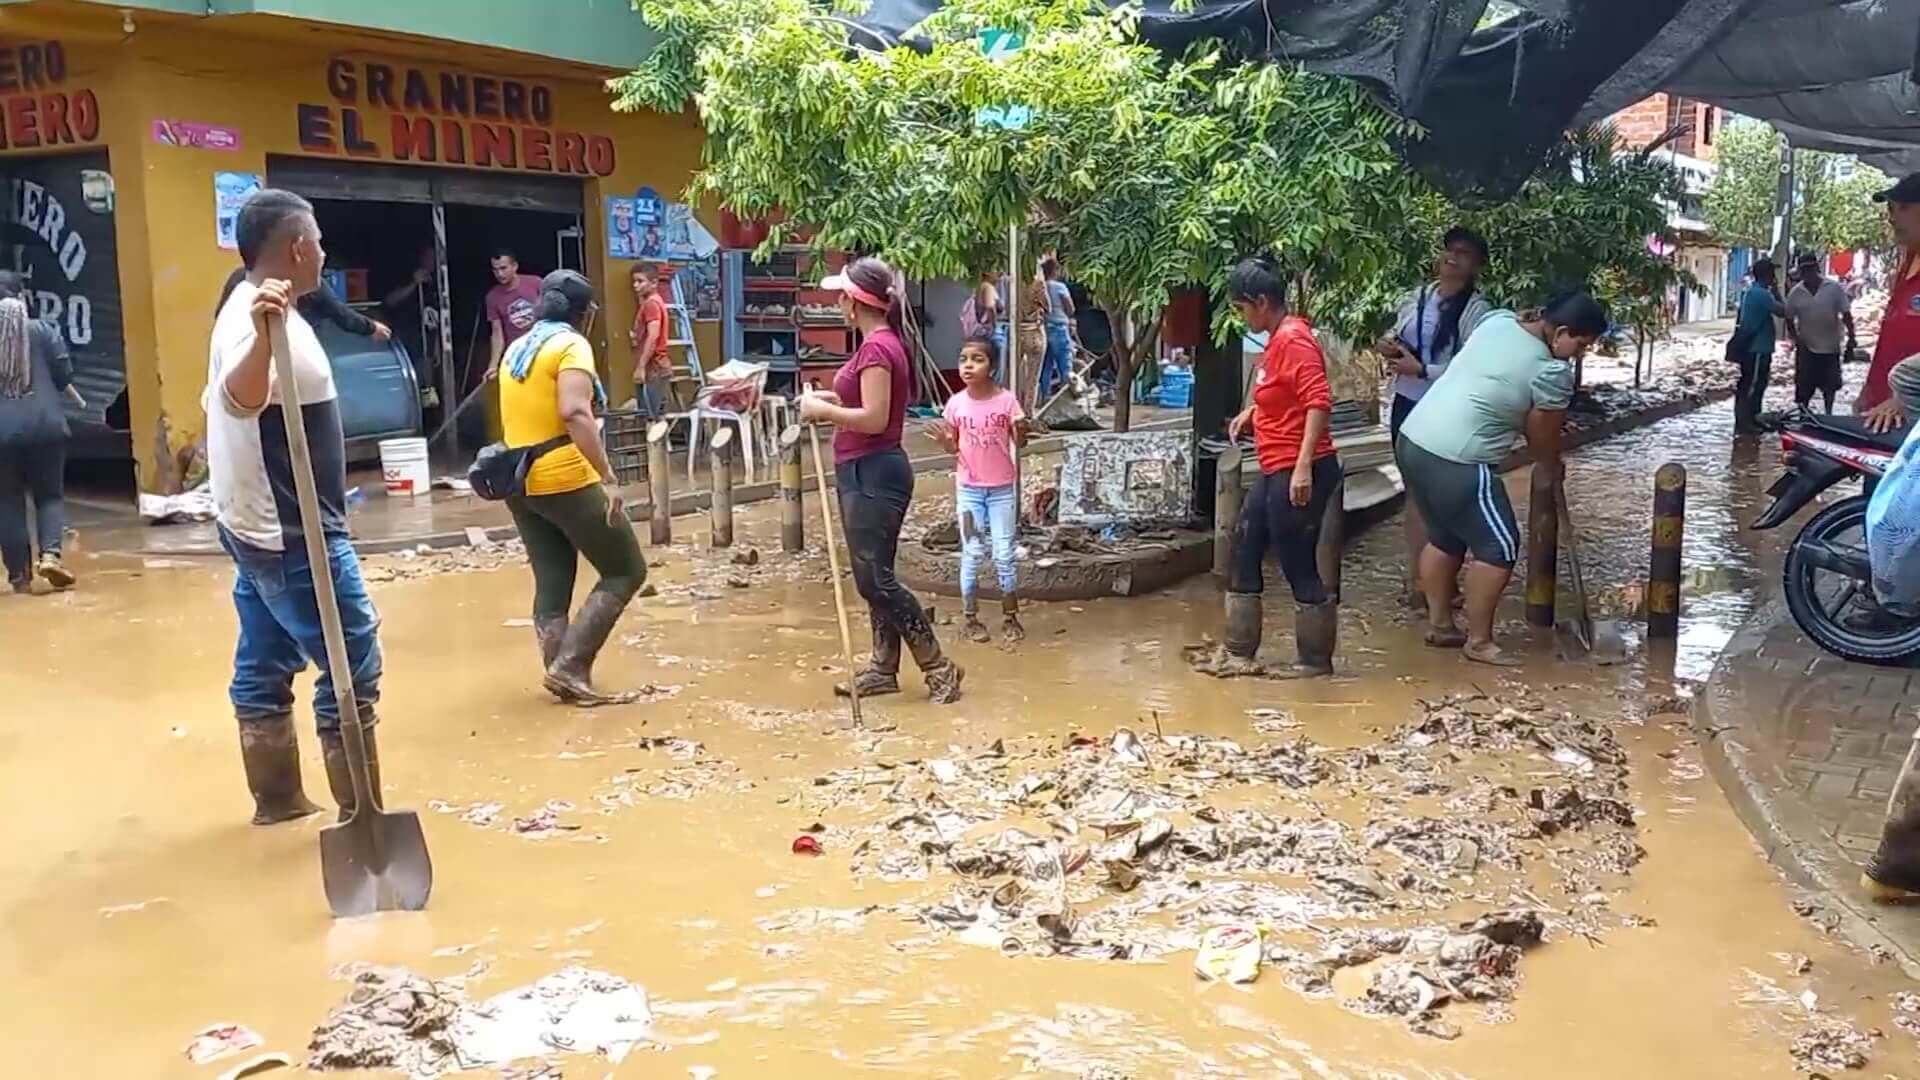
x: 530, y: 414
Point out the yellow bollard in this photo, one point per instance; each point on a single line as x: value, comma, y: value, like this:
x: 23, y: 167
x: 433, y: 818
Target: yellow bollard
x: 1669, y: 530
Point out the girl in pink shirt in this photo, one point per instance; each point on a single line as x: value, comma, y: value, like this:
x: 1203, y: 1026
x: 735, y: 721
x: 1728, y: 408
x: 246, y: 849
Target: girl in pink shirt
x: 982, y: 425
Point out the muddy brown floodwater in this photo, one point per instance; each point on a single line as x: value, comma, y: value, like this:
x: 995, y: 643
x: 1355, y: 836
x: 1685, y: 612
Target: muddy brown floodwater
x: 655, y: 842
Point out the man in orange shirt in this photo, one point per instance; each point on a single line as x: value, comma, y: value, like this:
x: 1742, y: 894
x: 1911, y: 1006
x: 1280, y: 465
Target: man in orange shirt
x: 1300, y: 477
x: 653, y: 367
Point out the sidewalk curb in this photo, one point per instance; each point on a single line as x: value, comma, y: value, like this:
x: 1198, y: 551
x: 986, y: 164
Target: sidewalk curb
x: 1788, y: 834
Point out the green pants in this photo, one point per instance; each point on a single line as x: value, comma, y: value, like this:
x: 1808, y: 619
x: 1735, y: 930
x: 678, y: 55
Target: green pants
x: 558, y: 530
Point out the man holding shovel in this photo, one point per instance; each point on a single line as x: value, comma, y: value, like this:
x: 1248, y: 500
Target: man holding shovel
x: 251, y: 470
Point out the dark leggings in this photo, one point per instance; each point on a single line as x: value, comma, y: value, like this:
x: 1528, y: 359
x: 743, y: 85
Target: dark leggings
x: 874, y: 493
x: 35, y: 469
x: 558, y: 530
x: 1270, y: 522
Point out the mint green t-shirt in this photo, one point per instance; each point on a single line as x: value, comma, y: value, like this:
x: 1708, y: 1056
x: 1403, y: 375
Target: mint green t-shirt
x: 1474, y: 413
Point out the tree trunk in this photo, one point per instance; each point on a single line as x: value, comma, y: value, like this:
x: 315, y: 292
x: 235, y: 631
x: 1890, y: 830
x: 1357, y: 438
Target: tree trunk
x: 1123, y: 368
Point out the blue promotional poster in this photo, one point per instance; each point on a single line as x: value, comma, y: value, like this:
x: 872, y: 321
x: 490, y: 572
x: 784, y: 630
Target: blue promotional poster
x: 648, y: 227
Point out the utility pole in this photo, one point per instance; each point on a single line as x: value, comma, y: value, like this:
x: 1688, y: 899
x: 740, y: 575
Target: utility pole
x: 1783, y: 207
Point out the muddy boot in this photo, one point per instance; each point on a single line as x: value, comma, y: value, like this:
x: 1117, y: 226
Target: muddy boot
x: 570, y: 675
x: 1316, y: 628
x: 1894, y: 873
x: 271, y: 754
x: 333, y: 745
x: 975, y: 630
x: 882, y: 673
x: 1243, y: 625
x: 1011, y: 631
x: 549, y: 631
x: 942, y: 674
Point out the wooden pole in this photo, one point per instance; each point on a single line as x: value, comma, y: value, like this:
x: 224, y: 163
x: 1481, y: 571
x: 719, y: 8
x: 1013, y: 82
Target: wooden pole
x: 1669, y: 529
x: 660, y: 477
x: 833, y: 566
x: 720, y: 507
x: 1543, y: 544
x: 793, y: 528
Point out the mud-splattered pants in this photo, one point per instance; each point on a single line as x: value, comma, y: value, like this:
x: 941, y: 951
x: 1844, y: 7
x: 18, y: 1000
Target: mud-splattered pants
x: 875, y: 492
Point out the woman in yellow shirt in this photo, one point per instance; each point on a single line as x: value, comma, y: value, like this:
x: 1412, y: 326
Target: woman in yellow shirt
x: 548, y: 388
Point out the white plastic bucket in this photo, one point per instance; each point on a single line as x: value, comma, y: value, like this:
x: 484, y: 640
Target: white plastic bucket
x: 404, y: 464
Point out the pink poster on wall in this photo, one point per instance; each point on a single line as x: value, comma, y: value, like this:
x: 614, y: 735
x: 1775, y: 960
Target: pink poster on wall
x: 193, y: 134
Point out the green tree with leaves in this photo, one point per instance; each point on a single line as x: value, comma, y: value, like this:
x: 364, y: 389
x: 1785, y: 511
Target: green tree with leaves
x: 1147, y: 173
x: 1833, y: 195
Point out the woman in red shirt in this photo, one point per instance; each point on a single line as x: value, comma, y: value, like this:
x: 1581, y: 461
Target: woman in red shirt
x: 868, y: 404
x: 1300, y: 480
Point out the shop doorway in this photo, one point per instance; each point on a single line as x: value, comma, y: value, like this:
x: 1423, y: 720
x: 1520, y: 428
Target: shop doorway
x: 414, y: 246
x: 58, y: 230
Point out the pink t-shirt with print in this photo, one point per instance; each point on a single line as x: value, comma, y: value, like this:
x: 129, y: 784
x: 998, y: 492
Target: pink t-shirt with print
x: 985, y: 428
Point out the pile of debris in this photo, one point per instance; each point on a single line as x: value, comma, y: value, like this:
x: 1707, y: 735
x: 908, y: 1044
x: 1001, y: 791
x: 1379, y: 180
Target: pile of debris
x: 1133, y: 846
x: 396, y: 1020
x: 425, y: 561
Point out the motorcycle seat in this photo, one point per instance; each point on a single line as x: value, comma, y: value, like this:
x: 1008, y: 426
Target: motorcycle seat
x: 1854, y: 429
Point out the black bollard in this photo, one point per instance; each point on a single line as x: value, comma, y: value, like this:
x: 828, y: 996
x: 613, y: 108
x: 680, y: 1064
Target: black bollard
x: 1228, y: 494
x: 721, y: 505
x: 660, y: 477
x: 1669, y: 528
x: 793, y: 530
x: 1543, y: 544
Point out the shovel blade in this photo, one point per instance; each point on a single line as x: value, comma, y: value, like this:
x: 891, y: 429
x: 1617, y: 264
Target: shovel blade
x: 376, y: 861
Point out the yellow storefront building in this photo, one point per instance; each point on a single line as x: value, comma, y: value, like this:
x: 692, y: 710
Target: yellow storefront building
x: 428, y: 139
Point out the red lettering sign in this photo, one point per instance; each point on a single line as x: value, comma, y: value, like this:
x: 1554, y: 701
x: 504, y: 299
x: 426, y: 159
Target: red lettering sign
x: 436, y: 116
x: 37, y: 109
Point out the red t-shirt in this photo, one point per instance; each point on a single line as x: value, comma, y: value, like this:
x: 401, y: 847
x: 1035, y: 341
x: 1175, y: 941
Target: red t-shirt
x: 653, y: 310
x: 882, y: 348
x: 512, y: 306
x: 1899, y: 333
x: 1293, y: 379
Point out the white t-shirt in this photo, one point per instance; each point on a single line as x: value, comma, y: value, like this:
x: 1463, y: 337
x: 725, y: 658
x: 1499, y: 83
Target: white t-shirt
x: 248, y: 462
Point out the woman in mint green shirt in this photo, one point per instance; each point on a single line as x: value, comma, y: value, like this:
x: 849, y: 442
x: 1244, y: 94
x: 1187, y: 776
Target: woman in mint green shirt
x: 1513, y: 378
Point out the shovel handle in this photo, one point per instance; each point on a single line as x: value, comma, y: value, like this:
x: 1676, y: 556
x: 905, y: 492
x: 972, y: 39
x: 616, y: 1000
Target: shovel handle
x: 320, y: 566
x: 833, y: 562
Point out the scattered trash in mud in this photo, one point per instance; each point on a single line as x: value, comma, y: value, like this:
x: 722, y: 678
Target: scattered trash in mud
x: 1139, y: 844
x: 807, y: 845
x: 423, y: 561
x: 215, y: 1041
x: 115, y: 910
x: 546, y: 820
x: 1906, y: 1013
x: 1230, y: 953
x: 1830, y: 1044
x: 397, y: 1020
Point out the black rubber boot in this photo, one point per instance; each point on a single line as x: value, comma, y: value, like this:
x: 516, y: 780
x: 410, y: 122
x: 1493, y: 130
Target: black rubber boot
x: 1894, y: 874
x: 942, y: 674
x: 333, y: 746
x: 882, y: 674
x: 1316, y: 629
x: 570, y: 675
x: 975, y: 630
x: 1243, y: 625
x: 270, y: 751
x: 1010, y: 629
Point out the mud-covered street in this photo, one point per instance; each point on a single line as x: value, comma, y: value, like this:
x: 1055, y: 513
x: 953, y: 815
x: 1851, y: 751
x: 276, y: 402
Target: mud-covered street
x: 1455, y: 872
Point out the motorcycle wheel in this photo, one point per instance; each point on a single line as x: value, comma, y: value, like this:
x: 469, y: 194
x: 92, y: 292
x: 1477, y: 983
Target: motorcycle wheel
x: 1820, y: 599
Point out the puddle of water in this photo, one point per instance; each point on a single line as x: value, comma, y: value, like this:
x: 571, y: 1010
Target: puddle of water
x: 122, y: 771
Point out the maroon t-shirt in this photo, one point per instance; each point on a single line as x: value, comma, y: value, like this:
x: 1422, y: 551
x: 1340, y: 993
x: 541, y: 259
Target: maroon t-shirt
x: 512, y: 306
x: 882, y: 348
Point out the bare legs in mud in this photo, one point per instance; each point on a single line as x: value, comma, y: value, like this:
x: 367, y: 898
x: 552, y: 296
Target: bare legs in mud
x: 1485, y: 583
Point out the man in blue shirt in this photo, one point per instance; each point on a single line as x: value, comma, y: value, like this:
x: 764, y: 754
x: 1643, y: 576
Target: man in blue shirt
x: 1751, y: 347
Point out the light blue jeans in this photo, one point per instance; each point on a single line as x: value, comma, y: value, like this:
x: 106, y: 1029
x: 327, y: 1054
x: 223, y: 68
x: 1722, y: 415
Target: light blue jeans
x: 995, y: 510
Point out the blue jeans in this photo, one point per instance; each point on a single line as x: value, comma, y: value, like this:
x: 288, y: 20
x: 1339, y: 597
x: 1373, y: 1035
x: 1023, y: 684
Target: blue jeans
x: 650, y: 396
x: 1000, y: 353
x: 280, y: 630
x: 1058, y: 365
x: 998, y: 511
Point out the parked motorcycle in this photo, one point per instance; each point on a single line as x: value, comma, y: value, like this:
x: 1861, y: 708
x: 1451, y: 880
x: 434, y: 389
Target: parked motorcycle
x: 1827, y: 579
